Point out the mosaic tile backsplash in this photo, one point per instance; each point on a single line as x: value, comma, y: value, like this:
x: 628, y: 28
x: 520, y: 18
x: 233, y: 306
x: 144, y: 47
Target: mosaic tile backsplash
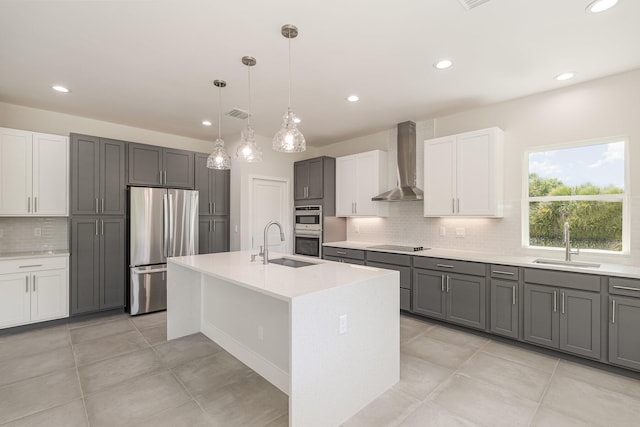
x: 33, y: 234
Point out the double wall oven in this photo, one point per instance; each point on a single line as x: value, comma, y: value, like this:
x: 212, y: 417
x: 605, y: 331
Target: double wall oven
x: 308, y: 231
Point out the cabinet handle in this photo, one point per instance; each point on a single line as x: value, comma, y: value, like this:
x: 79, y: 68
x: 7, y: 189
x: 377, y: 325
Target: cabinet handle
x: 28, y: 204
x: 626, y: 288
x: 453, y: 205
x: 442, y: 283
x: 32, y: 265
x: 35, y: 204
x: 355, y: 204
x: 34, y: 283
x: 341, y: 253
x: 613, y: 316
x: 562, y: 302
x: 555, y: 301
x: 26, y: 284
x: 214, y: 208
x: 209, y: 226
x: 445, y: 265
x: 97, y: 211
x: 513, y: 294
x: 214, y: 225
x: 506, y: 273
x: 458, y: 205
x: 102, y: 205
x: 102, y: 227
x: 96, y: 227
x: 160, y: 177
x: 165, y: 177
x: 448, y: 280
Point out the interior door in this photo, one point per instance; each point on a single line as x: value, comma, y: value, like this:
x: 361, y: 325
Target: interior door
x: 270, y: 202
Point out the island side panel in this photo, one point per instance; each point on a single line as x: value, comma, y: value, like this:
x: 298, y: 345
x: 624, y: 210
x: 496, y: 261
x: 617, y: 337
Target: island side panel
x: 252, y: 326
x: 333, y: 375
x: 183, y: 301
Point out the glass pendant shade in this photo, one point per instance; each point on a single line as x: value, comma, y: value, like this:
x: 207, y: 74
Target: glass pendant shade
x: 289, y: 139
x: 248, y: 151
x: 219, y: 159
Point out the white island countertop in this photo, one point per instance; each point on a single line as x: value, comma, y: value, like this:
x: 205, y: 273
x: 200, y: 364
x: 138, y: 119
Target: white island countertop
x: 277, y: 280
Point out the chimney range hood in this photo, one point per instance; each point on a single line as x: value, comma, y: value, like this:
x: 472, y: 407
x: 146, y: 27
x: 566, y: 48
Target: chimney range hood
x: 406, y: 189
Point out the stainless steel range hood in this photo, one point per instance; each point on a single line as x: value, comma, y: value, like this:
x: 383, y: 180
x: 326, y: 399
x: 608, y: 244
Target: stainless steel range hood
x: 406, y: 189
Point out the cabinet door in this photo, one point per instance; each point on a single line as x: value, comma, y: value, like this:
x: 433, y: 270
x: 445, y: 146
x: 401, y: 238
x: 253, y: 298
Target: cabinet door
x: 624, y: 339
x: 85, y: 265
x: 203, y: 182
x: 541, y: 315
x: 474, y: 174
x: 113, y: 185
x: 345, y: 185
x: 15, y: 172
x: 49, y: 295
x: 205, y: 228
x: 112, y: 262
x: 300, y: 179
x: 466, y: 300
x: 178, y: 168
x: 145, y: 165
x: 220, y: 236
x: 366, y: 183
x: 429, y: 293
x: 15, y: 306
x: 315, y: 186
x: 220, y: 196
x: 439, y: 181
x: 580, y: 322
x: 504, y: 308
x: 85, y: 174
x: 50, y: 174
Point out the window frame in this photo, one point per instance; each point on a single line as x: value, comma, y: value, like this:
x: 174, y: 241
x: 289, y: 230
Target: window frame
x: 624, y: 197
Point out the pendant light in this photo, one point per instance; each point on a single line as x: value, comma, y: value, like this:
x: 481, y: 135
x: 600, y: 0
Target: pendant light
x: 219, y: 159
x: 289, y: 139
x: 248, y: 150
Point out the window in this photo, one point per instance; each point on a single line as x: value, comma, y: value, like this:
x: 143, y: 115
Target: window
x: 583, y: 185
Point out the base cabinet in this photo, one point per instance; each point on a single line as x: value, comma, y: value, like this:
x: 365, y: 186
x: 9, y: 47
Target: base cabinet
x: 401, y: 264
x: 624, y: 339
x: 213, y: 234
x: 350, y: 256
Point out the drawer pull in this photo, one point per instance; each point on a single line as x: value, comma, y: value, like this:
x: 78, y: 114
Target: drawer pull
x: 29, y: 266
x: 506, y: 273
x: 626, y: 288
x: 341, y: 253
x: 513, y: 294
x: 445, y: 265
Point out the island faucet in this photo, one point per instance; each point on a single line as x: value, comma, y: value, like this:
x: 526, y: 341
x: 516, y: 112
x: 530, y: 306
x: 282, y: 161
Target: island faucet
x: 265, y: 252
x: 567, y: 244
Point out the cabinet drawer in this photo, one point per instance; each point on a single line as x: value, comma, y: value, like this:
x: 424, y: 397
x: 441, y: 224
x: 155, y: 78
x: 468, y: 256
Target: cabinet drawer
x: 405, y: 272
x: 505, y: 272
x: 454, y: 266
x: 344, y: 253
x: 32, y: 264
x: 585, y: 282
x: 387, y: 258
x: 628, y: 287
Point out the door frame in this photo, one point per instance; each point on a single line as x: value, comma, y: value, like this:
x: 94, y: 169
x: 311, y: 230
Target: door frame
x: 246, y: 214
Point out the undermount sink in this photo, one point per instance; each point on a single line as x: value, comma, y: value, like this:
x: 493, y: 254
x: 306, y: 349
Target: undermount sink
x: 288, y: 262
x: 566, y: 263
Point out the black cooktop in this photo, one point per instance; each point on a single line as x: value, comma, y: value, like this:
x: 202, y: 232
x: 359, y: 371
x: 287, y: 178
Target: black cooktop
x: 399, y: 248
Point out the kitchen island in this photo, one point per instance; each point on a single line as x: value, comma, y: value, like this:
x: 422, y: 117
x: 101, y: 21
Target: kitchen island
x: 326, y: 334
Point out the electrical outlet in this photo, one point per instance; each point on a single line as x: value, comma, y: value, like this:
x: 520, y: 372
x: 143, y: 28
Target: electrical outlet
x: 260, y: 333
x: 443, y: 230
x: 37, y: 232
x: 459, y: 231
x: 343, y: 324
x: 236, y: 228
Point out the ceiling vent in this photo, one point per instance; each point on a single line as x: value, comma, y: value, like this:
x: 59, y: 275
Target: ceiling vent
x: 470, y: 4
x: 237, y: 113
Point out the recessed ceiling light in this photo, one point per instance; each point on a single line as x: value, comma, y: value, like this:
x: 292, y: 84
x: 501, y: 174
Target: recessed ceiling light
x: 60, y: 88
x: 353, y: 98
x: 443, y: 64
x: 565, y: 76
x: 601, y: 5
x: 206, y: 122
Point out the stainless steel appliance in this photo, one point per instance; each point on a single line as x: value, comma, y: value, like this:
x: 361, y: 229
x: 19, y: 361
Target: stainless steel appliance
x: 399, y: 248
x: 308, y: 231
x: 162, y: 223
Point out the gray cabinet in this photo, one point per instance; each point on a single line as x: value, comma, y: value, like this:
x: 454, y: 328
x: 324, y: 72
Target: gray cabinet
x: 159, y: 166
x: 314, y: 183
x: 98, y: 176
x: 97, y: 264
x: 624, y: 319
x: 567, y: 317
x: 213, y: 186
x: 503, y: 289
x: 400, y: 263
x: 213, y: 234
x: 451, y: 290
x: 350, y: 256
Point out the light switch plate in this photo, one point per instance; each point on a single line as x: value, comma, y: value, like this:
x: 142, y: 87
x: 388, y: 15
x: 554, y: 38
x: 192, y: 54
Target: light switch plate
x: 343, y: 324
x: 459, y: 231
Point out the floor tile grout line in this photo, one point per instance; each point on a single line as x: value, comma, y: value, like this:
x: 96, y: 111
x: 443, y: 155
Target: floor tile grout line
x: 544, y: 392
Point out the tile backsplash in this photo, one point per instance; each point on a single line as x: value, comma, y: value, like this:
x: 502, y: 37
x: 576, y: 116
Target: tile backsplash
x: 33, y: 234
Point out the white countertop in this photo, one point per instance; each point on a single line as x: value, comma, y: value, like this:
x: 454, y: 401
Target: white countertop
x: 32, y: 254
x: 277, y: 280
x: 606, y: 269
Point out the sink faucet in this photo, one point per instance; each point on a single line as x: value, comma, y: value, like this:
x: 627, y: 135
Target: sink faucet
x: 567, y: 244
x: 265, y: 252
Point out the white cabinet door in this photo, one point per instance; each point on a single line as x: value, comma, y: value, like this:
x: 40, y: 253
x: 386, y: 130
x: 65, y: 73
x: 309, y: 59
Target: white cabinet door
x: 474, y: 174
x: 14, y: 299
x: 366, y: 178
x: 15, y: 172
x: 359, y: 177
x: 49, y: 295
x: 439, y: 161
x: 345, y: 185
x: 50, y: 174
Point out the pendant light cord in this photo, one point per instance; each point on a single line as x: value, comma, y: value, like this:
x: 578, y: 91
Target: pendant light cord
x: 290, y: 79
x: 249, y: 85
x: 219, y: 112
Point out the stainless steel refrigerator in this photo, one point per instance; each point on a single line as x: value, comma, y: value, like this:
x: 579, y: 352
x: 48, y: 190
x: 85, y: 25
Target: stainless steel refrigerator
x: 162, y: 223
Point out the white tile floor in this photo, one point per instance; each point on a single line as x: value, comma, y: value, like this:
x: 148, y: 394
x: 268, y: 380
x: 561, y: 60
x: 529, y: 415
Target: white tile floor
x: 121, y: 371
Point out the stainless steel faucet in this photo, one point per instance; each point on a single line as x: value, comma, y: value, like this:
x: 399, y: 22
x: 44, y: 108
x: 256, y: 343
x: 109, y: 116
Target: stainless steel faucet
x: 265, y: 252
x: 567, y: 244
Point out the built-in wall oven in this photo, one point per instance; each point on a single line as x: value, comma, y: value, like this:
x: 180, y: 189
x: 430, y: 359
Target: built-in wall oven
x: 308, y: 231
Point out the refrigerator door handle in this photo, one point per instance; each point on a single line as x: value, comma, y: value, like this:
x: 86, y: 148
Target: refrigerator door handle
x: 171, y: 227
x: 165, y: 220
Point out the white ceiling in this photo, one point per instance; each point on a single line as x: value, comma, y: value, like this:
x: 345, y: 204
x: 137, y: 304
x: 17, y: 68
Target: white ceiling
x: 150, y: 63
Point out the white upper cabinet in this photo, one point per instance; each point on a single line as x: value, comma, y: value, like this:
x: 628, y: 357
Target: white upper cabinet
x: 463, y: 174
x: 34, y: 174
x: 359, y: 177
